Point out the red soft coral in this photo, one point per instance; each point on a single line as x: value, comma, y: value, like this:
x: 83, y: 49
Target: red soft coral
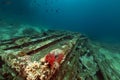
x: 50, y: 58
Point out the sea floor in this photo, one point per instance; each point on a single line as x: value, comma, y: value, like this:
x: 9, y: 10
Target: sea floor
x: 108, y: 55
x: 11, y: 30
x: 109, y: 58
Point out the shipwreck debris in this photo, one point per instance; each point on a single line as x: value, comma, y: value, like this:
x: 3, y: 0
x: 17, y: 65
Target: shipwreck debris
x: 52, y: 55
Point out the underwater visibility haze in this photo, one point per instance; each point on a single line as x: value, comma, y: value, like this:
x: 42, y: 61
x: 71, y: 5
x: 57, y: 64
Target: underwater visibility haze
x: 99, y: 20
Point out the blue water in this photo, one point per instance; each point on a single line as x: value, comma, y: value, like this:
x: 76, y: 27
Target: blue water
x: 98, y: 19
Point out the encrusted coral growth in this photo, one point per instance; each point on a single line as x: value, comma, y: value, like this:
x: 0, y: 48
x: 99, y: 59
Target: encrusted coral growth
x: 37, y: 70
x: 34, y: 70
x: 30, y: 70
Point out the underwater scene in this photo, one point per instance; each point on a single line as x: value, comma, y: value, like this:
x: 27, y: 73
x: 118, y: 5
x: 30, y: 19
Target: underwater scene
x: 59, y: 39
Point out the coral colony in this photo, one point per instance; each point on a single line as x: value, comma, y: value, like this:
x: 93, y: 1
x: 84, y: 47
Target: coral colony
x: 42, y: 69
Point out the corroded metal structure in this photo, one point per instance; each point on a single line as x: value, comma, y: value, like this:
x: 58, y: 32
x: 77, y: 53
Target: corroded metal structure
x: 51, y: 55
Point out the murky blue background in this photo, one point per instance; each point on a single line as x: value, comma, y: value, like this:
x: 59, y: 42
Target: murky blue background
x: 99, y: 19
